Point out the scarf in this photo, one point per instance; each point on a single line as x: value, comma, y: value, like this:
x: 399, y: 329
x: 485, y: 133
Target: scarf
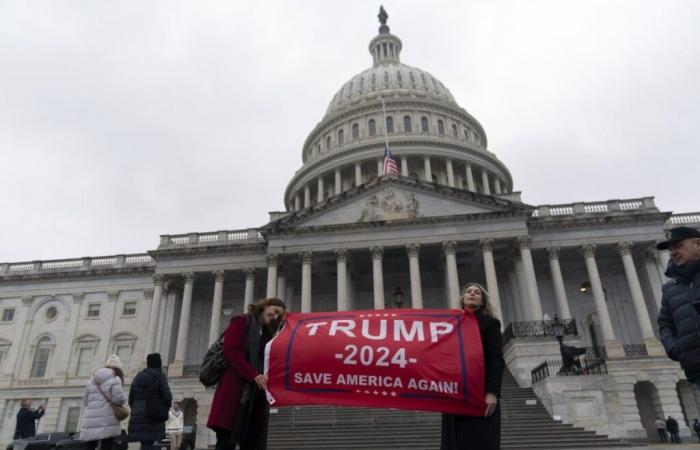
x: 686, y: 272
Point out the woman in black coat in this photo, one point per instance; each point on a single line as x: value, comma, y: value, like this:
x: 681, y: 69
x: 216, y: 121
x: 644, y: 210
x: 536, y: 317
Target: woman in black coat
x: 149, y: 394
x: 472, y: 432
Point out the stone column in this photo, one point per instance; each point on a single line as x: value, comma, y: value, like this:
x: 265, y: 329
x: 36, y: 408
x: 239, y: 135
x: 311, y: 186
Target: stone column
x: 497, y: 186
x: 471, y: 186
x: 378, y: 277
x: 533, y: 294
x: 485, y: 182
x: 249, y: 288
x: 297, y: 202
x: 653, y: 346
x: 272, y: 261
x: 655, y: 280
x: 216, y: 306
x: 450, y: 173
x: 281, y: 285
x: 320, y: 189
x: 662, y: 260
x: 338, y: 182
x: 176, y: 367
x: 414, y: 265
x: 558, y: 283
x: 404, y: 166
x: 428, y: 171
x: 449, y: 249
x: 613, y: 348
x: 341, y: 258
x: 491, y: 279
x: 358, y: 173
x: 306, y: 281
x: 307, y: 196
x: 158, y: 283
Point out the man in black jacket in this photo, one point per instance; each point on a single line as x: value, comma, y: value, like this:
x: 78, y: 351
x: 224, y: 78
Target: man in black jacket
x: 26, y: 420
x: 679, y: 318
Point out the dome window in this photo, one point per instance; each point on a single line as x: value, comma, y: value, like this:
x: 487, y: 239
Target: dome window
x: 390, y: 125
x: 355, y: 132
x: 424, y: 124
x: 441, y: 127
x: 328, y: 142
x: 341, y: 137
x: 399, y: 78
x: 407, y: 124
x: 372, y: 127
x: 454, y: 131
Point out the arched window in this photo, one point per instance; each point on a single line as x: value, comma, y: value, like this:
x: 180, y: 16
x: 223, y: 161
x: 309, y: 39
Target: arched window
x: 328, y: 142
x: 4, y: 350
x: 341, y: 137
x: 454, y: 131
x: 424, y: 124
x: 355, y: 132
x: 389, y: 125
x: 407, y: 124
x: 41, y: 357
x: 466, y: 135
x: 372, y: 127
x: 441, y: 127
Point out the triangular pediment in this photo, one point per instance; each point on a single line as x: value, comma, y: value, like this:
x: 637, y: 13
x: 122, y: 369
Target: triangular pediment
x: 397, y: 199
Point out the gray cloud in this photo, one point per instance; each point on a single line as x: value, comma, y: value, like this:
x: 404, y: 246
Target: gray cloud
x: 119, y: 122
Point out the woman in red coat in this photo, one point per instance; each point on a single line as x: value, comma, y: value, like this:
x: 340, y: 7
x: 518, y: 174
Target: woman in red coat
x: 239, y: 410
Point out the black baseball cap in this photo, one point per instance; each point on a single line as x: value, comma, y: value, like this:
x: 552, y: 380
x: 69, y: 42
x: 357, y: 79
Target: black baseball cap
x: 678, y: 234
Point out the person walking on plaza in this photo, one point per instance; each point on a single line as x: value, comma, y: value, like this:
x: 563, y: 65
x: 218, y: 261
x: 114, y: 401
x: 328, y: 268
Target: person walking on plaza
x: 26, y: 420
x: 696, y: 428
x: 239, y: 410
x: 99, y: 424
x: 175, y: 426
x: 480, y: 433
x: 679, y: 317
x: 672, y: 427
x: 661, y: 429
x: 149, y: 399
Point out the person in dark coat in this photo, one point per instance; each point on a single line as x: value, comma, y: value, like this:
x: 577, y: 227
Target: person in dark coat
x: 679, y: 317
x: 149, y: 385
x: 696, y: 428
x: 483, y: 432
x: 26, y: 420
x: 672, y: 427
x: 239, y: 410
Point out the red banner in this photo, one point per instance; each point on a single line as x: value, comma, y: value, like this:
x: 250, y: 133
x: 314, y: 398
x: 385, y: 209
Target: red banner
x: 417, y: 359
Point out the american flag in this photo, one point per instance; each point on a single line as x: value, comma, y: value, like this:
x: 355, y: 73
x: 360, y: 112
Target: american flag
x: 389, y: 163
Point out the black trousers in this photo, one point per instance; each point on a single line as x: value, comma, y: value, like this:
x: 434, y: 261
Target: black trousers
x: 105, y: 444
x: 662, y: 435
x: 223, y: 442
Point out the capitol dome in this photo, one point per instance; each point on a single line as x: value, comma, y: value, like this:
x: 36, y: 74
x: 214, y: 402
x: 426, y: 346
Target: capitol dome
x: 432, y: 138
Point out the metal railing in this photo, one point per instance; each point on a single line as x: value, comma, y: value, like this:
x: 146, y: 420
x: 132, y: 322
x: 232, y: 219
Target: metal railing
x: 542, y: 328
x: 190, y: 370
x: 635, y: 351
x: 587, y: 365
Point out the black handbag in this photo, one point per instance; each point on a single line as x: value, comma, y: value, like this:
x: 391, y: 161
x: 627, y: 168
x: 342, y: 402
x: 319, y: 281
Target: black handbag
x: 213, y: 365
x: 156, y: 408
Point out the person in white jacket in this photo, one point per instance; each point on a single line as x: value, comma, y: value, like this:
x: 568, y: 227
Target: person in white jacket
x: 99, y: 422
x: 175, y: 426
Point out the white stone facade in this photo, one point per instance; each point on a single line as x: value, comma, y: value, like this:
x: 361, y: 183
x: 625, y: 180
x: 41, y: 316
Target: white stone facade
x: 353, y: 239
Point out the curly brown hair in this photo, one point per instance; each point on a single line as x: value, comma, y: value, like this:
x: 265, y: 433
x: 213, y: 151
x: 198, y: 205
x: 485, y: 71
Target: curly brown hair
x: 259, y: 306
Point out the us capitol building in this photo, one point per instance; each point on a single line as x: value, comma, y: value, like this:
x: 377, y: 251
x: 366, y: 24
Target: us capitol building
x: 350, y: 238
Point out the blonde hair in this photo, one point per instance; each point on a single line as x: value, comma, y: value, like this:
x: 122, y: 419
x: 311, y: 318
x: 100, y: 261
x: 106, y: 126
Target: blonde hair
x: 485, y: 306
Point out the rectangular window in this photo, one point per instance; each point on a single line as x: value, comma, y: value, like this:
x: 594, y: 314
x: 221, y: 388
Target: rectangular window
x: 85, y: 357
x: 93, y: 310
x: 8, y: 314
x: 72, y: 420
x: 123, y: 351
x: 3, y: 353
x: 129, y: 309
x: 41, y: 360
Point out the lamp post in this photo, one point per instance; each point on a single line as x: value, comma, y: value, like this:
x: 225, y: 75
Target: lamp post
x: 559, y: 328
x: 398, y: 297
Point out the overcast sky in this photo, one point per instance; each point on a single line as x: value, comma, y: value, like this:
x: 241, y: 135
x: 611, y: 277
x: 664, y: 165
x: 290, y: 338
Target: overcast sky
x: 120, y: 121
